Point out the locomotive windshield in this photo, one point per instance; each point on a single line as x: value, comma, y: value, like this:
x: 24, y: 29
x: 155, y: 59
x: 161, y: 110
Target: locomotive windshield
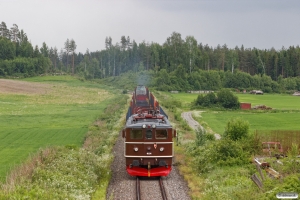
x: 149, y: 134
x: 136, y: 134
x: 161, y: 134
x: 141, y: 90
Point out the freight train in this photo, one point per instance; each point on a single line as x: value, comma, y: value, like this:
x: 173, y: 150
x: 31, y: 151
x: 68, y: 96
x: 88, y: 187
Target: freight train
x: 148, y: 136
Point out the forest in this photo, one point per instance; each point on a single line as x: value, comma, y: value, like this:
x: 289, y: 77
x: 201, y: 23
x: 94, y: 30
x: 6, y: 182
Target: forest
x: 177, y: 64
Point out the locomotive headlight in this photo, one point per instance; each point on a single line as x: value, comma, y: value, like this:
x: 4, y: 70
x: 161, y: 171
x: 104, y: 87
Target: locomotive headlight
x: 161, y: 149
x: 135, y: 149
x: 153, y: 126
x: 144, y: 126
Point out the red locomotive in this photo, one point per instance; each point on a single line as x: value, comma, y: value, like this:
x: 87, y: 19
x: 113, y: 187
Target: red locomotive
x: 148, y: 136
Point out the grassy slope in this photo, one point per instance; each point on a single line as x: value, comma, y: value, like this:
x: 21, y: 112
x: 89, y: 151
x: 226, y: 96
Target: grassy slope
x: 59, y: 117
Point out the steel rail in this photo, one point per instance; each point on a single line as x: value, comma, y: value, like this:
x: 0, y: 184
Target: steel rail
x: 162, y: 188
x: 138, y: 191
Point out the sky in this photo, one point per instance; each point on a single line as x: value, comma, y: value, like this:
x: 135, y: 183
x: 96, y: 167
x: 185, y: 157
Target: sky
x: 262, y: 24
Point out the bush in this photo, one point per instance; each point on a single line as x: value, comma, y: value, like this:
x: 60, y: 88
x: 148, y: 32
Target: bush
x: 227, y: 99
x: 206, y: 101
x: 200, y: 137
x: 210, y: 137
x: 236, y: 129
x: 222, y: 152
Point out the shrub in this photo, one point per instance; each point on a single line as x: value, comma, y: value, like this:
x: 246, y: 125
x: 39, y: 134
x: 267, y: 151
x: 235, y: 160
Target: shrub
x: 227, y: 99
x: 210, y: 137
x: 292, y: 162
x: 236, y: 129
x: 222, y: 152
x: 207, y: 101
x: 200, y: 137
x: 230, y: 153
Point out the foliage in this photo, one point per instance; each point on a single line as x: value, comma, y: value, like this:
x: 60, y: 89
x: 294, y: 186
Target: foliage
x: 208, y: 100
x: 292, y: 162
x: 222, y: 152
x: 200, y: 137
x: 236, y: 129
x: 227, y: 99
x: 70, y: 174
x: 179, y: 64
x: 272, y: 187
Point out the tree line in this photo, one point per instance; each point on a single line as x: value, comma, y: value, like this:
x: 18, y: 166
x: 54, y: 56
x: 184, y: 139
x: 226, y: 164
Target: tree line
x: 17, y: 56
x: 182, y: 63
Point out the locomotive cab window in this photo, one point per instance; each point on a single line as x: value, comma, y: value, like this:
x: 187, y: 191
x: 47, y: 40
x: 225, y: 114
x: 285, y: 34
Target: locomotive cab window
x: 136, y: 134
x: 161, y: 134
x: 149, y: 134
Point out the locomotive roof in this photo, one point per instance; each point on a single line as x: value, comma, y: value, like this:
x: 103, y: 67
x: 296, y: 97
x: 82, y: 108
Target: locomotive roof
x: 137, y: 120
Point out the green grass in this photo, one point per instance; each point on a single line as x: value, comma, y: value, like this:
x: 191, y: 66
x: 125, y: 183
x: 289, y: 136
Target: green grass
x: 58, y: 117
x: 275, y: 101
x: 258, y: 121
x: 285, y: 114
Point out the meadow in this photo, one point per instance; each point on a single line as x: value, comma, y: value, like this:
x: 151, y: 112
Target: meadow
x: 285, y: 113
x: 275, y: 101
x: 57, y: 112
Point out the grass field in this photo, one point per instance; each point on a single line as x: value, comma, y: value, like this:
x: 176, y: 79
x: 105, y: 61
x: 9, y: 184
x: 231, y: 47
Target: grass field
x: 275, y: 101
x: 59, y: 115
x: 258, y: 121
x: 285, y: 114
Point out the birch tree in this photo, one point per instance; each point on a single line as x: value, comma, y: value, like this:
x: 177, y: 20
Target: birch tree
x: 72, y: 50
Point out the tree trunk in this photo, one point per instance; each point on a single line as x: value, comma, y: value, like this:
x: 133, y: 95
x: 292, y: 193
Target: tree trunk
x: 73, y: 65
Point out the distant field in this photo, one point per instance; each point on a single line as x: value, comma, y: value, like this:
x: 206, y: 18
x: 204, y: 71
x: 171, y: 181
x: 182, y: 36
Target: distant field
x: 54, y: 111
x: 275, y: 101
x: 287, y: 117
x: 258, y: 121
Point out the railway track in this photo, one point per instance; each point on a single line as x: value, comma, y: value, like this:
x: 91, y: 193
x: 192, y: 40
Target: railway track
x: 161, y: 186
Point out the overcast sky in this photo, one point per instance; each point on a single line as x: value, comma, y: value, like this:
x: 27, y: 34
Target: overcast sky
x: 254, y: 23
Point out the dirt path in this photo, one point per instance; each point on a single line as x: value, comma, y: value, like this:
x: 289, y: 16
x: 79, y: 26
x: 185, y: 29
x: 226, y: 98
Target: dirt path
x: 194, y: 124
